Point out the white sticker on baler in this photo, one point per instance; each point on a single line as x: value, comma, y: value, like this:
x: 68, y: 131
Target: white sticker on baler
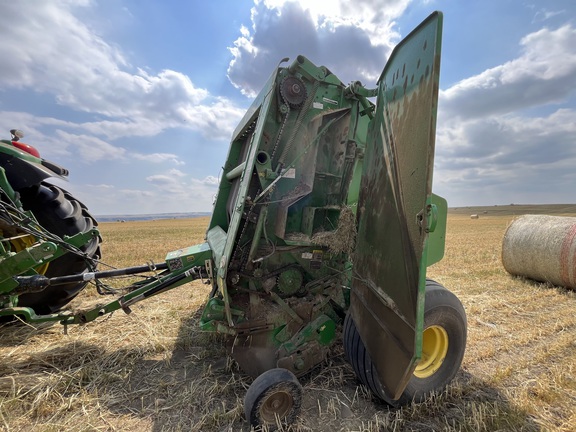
x: 330, y: 101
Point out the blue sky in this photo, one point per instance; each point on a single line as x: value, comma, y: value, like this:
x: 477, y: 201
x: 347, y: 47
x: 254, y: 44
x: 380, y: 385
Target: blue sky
x: 138, y: 98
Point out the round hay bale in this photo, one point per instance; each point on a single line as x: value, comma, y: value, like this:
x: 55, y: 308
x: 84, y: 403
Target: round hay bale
x: 474, y: 216
x: 542, y: 248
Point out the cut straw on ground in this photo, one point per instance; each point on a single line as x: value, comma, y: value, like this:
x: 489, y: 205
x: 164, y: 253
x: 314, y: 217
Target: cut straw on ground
x: 154, y: 370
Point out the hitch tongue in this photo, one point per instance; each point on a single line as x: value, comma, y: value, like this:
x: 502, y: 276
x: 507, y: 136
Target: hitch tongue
x: 31, y: 284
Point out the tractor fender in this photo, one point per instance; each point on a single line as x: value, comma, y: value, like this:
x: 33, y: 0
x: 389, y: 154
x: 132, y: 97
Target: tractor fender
x: 22, y: 173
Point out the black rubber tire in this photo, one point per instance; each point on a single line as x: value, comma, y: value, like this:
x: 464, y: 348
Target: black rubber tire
x: 358, y: 357
x: 59, y: 213
x: 276, y: 391
x: 443, y: 309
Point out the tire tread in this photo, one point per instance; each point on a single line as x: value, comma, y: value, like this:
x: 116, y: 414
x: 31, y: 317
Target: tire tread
x: 63, y: 215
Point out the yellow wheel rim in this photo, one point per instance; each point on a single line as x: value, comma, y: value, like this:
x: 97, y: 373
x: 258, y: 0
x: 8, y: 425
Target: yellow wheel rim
x: 434, y: 350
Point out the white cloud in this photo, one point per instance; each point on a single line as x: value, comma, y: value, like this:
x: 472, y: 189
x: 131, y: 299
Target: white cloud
x: 503, y: 159
x: 173, y: 176
x: 351, y: 39
x: 47, y: 49
x: 507, y: 134
x: 375, y: 17
x: 114, y: 129
x: 493, y: 134
x: 91, y: 149
x: 164, y: 181
x: 135, y: 194
x: 158, y: 158
x: 545, y: 73
x: 545, y: 14
x: 81, y: 147
x: 174, y: 190
x: 509, y: 140
x: 171, y: 192
x: 211, y: 180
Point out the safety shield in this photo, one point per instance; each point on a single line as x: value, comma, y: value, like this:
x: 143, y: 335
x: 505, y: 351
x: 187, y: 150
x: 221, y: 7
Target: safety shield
x: 395, y: 210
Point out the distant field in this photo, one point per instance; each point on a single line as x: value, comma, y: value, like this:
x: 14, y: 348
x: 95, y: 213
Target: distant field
x: 154, y: 370
x: 495, y: 210
x: 150, y: 217
x: 515, y: 210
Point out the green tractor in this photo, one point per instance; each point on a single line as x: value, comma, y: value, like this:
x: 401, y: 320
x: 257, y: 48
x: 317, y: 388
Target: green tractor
x: 44, y: 231
x: 324, y: 220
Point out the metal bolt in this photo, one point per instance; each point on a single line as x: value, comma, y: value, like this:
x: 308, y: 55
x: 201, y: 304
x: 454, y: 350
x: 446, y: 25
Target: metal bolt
x: 299, y: 364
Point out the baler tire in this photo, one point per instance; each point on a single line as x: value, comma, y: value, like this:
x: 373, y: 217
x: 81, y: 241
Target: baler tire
x: 360, y: 360
x: 444, y: 315
x: 57, y: 211
x: 444, y: 324
x: 273, y: 399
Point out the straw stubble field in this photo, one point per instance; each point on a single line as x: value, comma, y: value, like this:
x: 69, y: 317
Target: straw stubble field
x: 154, y: 370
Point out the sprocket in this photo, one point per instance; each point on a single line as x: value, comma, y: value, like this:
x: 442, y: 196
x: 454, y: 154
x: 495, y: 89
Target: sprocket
x: 293, y: 91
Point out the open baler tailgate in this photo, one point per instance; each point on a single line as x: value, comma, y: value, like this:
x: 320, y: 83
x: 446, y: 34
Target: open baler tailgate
x: 390, y: 259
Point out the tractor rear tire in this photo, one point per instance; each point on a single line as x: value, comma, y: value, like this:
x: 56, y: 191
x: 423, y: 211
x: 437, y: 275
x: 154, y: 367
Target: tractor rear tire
x: 59, y: 213
x: 444, y: 343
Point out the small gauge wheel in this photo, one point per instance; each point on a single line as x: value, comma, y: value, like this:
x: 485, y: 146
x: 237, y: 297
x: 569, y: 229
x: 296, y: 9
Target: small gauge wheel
x: 273, y: 399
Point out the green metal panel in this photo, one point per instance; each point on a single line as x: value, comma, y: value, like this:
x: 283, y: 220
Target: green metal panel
x: 192, y: 255
x: 437, y: 236
x: 24, y: 262
x: 26, y: 259
x: 390, y: 262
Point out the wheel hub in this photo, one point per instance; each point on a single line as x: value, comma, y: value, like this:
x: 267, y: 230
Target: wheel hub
x: 434, y: 349
x: 276, y: 405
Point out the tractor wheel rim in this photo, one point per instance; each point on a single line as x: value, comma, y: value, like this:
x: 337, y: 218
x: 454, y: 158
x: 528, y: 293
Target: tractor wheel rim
x: 434, y: 350
x: 276, y: 405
